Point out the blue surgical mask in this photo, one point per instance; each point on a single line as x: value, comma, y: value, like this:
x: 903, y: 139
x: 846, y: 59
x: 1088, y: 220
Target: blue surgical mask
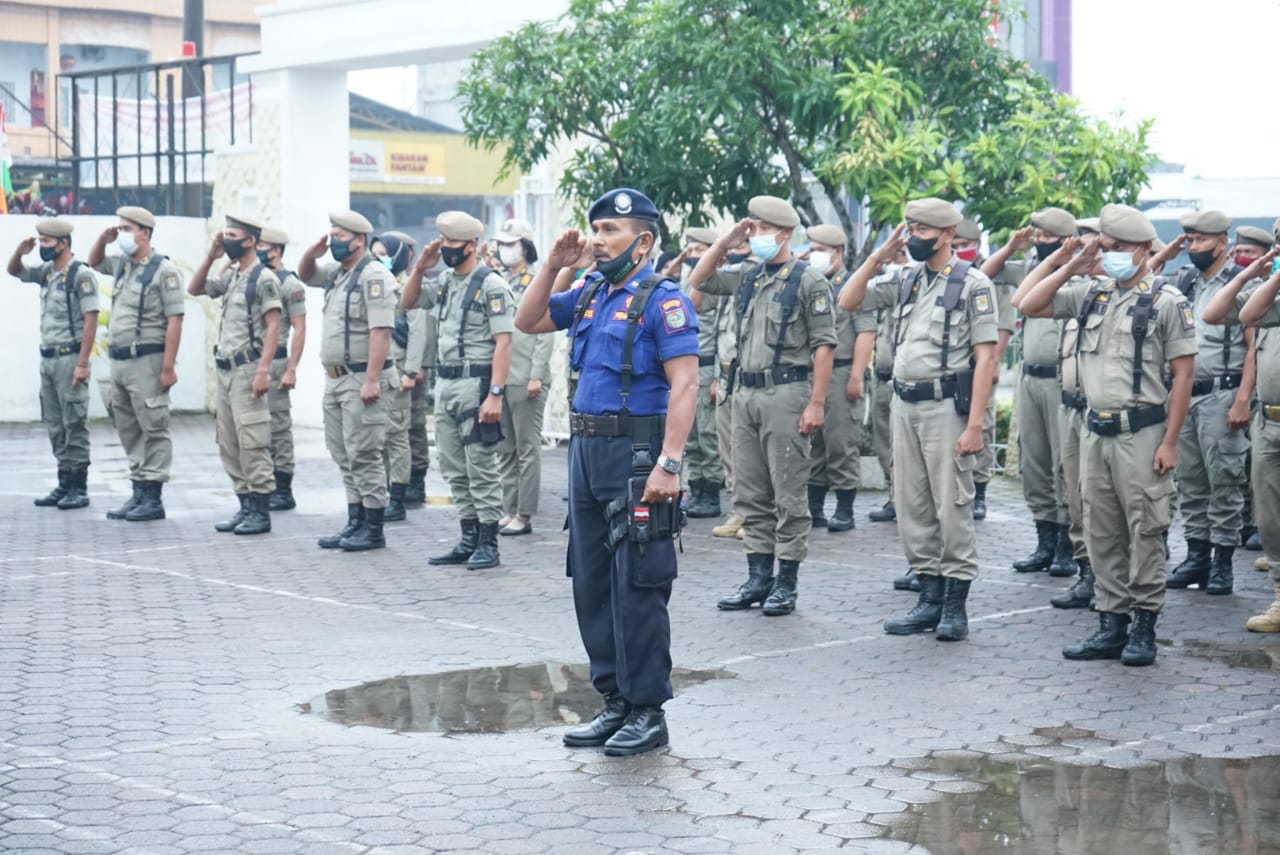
x: 1275, y: 266
x: 387, y: 261
x: 127, y: 243
x: 765, y: 247
x: 1119, y: 265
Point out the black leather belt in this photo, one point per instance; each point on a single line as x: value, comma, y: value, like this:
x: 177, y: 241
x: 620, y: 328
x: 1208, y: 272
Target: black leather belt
x: 1204, y: 387
x: 281, y: 353
x: 617, y: 424
x: 456, y: 372
x: 1112, y: 423
x: 884, y: 376
x: 704, y: 361
x: 925, y: 390
x: 336, y: 371
x: 59, y: 350
x: 134, y: 350
x: 244, y: 357
x: 1074, y: 401
x: 1033, y: 369
x: 774, y: 377
x: 842, y: 363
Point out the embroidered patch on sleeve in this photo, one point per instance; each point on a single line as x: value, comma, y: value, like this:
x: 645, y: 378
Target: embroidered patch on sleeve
x: 171, y: 282
x: 497, y: 305
x: 298, y: 296
x: 982, y: 304
x: 675, y: 319
x: 1188, y: 317
x: 821, y: 303
x: 375, y: 290
x: 670, y: 304
x: 87, y: 285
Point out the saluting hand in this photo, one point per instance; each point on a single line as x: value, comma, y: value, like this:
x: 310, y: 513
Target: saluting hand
x: 569, y: 250
x: 1171, y: 249
x: 1083, y: 262
x: 1261, y: 266
x: 317, y: 249
x: 1021, y: 239
x: 109, y: 234
x: 895, y: 243
x: 741, y: 230
x: 1064, y: 253
x: 430, y: 256
x: 215, y: 247
x: 26, y: 246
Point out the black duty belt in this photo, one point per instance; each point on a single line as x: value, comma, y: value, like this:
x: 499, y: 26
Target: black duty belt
x: 772, y: 377
x: 282, y: 352
x: 336, y: 371
x: 244, y: 357
x: 642, y: 428
x: 457, y: 372
x: 1204, y: 387
x: 134, y: 350
x: 1074, y: 401
x: 842, y: 363
x: 884, y: 376
x: 59, y: 350
x: 704, y: 361
x: 1034, y: 369
x: 925, y: 390
x: 1116, y: 422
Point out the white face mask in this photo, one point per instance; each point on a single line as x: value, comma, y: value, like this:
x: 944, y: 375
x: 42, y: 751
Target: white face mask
x: 127, y: 242
x: 820, y: 261
x: 510, y: 254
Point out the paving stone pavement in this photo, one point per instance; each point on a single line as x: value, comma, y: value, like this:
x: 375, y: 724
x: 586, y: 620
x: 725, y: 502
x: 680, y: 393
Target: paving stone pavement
x: 151, y: 677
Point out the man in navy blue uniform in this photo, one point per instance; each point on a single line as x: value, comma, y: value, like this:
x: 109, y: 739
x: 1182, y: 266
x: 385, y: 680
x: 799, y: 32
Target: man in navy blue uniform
x: 625, y: 424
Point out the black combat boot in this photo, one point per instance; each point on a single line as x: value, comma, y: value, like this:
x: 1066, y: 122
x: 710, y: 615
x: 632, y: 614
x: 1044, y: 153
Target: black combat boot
x: 368, y: 535
x: 1141, y: 649
x: 129, y: 504
x: 888, y: 513
x: 954, y: 623
x: 149, y: 507
x: 237, y: 517
x: 908, y: 581
x: 644, y: 730
x: 1194, y: 570
x: 415, y: 492
x: 757, y: 587
x: 1253, y: 542
x: 606, y: 723
x: 1042, y: 557
x: 817, y: 501
x: 56, y: 494
x: 1221, y: 579
x: 704, y: 500
x: 258, y: 518
x: 485, y: 554
x: 782, y: 597
x: 77, y: 495
x: 928, y: 609
x: 1106, y: 643
x: 282, y: 498
x: 395, y: 504
x: 355, y: 516
x: 463, y: 548
x: 1079, y: 595
x: 1064, y: 562
x: 979, y: 500
x: 842, y: 519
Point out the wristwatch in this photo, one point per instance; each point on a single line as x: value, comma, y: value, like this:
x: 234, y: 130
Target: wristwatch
x: 669, y: 464
x: 496, y: 390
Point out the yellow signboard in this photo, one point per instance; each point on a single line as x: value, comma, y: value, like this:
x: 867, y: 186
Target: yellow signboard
x: 405, y: 162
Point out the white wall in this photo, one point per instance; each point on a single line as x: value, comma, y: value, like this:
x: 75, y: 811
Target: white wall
x: 182, y: 239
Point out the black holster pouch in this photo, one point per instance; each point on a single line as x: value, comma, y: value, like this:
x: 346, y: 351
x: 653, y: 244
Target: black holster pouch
x: 964, y: 391
x: 400, y: 332
x: 483, y: 433
x: 730, y: 378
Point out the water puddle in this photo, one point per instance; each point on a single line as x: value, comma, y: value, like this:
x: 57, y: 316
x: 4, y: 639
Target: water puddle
x: 1253, y: 658
x: 478, y: 700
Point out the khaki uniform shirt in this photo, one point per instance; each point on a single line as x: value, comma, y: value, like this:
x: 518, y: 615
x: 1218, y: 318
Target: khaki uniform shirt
x: 293, y: 296
x: 1039, y: 335
x: 1107, y: 344
x: 1266, y: 340
x: 530, y: 354
x: 883, y: 363
x: 62, y: 303
x: 409, y: 358
x: 849, y: 325
x: 726, y: 325
x: 919, y: 324
x: 708, y: 317
x: 1221, y: 347
x: 1068, y: 360
x: 141, y: 316
x: 491, y: 313
x: 243, y: 326
x: 811, y: 326
x: 353, y: 309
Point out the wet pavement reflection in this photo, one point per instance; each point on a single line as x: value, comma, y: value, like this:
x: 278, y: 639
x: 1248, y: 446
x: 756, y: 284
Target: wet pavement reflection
x: 1262, y: 658
x: 478, y: 700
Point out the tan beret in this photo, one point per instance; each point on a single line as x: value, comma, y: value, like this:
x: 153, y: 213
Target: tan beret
x: 404, y: 238
x: 969, y: 230
x: 1157, y: 245
x: 934, y: 212
x: 1255, y: 235
x: 1055, y: 221
x: 829, y: 235
x: 514, y: 230
x: 456, y: 225
x: 352, y: 221
x: 700, y: 235
x: 55, y: 227
x: 244, y: 224
x: 134, y: 214
x: 1089, y: 224
x: 1126, y: 224
x: 273, y: 235
x: 1205, y: 222
x: 774, y: 211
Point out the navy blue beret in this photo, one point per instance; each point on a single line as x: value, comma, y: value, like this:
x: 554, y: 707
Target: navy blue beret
x: 623, y: 203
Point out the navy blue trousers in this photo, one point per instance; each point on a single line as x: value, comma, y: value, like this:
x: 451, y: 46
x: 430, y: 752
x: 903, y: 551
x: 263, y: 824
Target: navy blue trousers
x: 620, y: 597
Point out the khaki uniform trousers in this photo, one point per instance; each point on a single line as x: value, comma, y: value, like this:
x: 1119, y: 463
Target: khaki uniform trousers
x: 987, y: 456
x: 1039, y: 448
x: 471, y: 468
x: 140, y: 411
x: 396, y: 450
x: 1211, y: 470
x: 278, y: 403
x: 771, y: 468
x: 521, y: 449
x: 355, y: 432
x: 1266, y: 486
x: 837, y: 448
x: 1070, y: 429
x: 724, y: 431
x: 64, y: 408
x: 702, y: 454
x: 933, y: 489
x: 419, y: 409
x: 1126, y: 513
x: 243, y: 427
x: 881, y: 433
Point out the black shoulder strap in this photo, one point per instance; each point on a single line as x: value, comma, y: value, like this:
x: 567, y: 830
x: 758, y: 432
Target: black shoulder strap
x: 1142, y: 311
x: 72, y: 284
x: 789, y: 297
x: 250, y: 294
x: 746, y: 291
x: 908, y: 288
x: 635, y: 311
x: 950, y: 302
x: 148, y: 274
x: 1231, y: 271
x: 1187, y: 282
x: 1090, y: 297
x: 352, y: 285
x: 474, y: 286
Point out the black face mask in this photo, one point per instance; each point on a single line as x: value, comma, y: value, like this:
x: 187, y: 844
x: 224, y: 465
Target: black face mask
x: 234, y: 250
x: 264, y: 255
x: 616, y: 269
x: 691, y: 263
x: 1044, y: 250
x: 921, y: 249
x: 454, y: 255
x: 1202, y: 260
x: 48, y: 253
x: 737, y: 257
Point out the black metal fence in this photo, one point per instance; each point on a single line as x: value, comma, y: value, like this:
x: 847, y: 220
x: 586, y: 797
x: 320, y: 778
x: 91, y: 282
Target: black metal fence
x: 146, y: 134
